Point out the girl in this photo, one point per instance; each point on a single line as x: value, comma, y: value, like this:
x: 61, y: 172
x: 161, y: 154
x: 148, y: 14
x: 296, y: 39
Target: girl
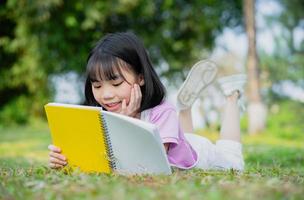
x: 121, y: 79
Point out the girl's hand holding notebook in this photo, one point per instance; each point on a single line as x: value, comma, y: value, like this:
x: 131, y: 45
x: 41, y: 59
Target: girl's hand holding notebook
x: 56, y: 159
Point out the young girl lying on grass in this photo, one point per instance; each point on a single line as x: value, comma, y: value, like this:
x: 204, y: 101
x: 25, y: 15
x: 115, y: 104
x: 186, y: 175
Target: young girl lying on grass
x: 121, y: 79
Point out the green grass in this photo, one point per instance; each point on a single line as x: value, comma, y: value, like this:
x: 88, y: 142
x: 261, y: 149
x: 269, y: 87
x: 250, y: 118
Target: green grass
x: 274, y: 170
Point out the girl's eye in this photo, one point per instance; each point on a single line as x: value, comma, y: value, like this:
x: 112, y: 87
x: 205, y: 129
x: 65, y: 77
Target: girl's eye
x: 117, y: 84
x: 96, y: 86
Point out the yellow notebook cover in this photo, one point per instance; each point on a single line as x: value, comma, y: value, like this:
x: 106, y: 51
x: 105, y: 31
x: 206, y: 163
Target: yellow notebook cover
x: 79, y: 132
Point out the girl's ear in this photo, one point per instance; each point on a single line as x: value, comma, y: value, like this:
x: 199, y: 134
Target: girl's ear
x: 141, y: 80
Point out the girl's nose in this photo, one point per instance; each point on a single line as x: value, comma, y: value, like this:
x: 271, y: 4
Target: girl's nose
x: 107, y: 94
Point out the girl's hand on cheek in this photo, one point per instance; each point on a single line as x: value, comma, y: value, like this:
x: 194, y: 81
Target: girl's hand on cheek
x: 132, y: 108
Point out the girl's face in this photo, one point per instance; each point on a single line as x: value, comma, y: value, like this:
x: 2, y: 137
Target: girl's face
x: 110, y: 93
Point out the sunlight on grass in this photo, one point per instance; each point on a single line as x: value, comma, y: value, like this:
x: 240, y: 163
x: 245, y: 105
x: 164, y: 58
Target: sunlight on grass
x: 262, y: 138
x: 274, y: 170
x: 26, y: 149
x: 29, y: 143
x: 270, y: 140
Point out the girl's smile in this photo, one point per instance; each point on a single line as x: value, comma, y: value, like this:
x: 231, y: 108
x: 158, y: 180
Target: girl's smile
x: 112, y: 107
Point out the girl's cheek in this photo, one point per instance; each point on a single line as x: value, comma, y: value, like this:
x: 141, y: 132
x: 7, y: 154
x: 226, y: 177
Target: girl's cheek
x: 127, y: 100
x: 95, y: 94
x: 125, y: 93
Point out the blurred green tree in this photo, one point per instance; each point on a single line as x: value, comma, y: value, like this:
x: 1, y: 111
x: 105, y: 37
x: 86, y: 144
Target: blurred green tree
x: 286, y: 62
x: 41, y: 38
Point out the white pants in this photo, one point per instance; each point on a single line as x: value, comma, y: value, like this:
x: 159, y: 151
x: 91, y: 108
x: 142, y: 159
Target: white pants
x: 224, y: 154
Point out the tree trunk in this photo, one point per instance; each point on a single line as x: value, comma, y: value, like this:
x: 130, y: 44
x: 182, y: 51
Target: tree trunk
x: 256, y: 109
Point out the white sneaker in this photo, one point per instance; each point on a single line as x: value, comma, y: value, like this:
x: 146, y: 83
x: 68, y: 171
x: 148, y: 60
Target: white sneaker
x: 200, y: 76
x: 230, y: 84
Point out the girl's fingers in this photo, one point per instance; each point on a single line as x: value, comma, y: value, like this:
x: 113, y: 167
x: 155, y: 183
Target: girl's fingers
x: 54, y: 148
x: 139, y: 91
x: 57, y: 155
x: 57, y: 161
x: 138, y: 95
x: 131, y: 102
x: 134, y: 98
x: 137, y: 98
x: 123, y: 106
x: 55, y: 166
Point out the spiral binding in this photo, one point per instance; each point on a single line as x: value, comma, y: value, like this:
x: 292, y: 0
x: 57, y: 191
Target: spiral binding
x: 110, y: 154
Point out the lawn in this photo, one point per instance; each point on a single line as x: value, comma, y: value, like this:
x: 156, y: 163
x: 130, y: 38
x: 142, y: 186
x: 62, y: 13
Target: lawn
x: 274, y: 170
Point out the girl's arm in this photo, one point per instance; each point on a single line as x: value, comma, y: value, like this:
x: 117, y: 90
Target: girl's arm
x: 56, y: 159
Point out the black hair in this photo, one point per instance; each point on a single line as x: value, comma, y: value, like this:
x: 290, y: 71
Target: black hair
x: 123, y: 50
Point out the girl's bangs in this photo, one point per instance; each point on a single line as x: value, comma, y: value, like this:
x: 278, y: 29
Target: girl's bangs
x: 105, y: 67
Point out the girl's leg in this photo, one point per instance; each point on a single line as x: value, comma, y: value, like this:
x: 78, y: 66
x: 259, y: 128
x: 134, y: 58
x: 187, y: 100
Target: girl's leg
x: 230, y: 128
x: 185, y: 119
x: 227, y: 152
x: 233, y: 88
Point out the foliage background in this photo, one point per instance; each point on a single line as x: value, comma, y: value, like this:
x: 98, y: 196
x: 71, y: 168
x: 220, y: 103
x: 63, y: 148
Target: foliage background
x: 42, y: 38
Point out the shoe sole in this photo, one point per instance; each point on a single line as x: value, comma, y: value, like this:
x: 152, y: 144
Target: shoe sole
x: 203, y: 74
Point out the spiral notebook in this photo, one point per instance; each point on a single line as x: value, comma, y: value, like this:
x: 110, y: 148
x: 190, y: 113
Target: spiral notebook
x: 94, y: 140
